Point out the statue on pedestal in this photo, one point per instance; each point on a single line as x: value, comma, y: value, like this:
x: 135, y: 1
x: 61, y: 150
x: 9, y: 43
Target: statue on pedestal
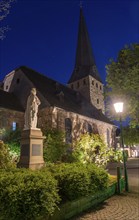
x: 33, y: 103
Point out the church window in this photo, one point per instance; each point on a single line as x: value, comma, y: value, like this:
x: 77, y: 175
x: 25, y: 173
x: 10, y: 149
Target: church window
x: 68, y: 130
x: 18, y: 80
x: 96, y: 85
x: 90, y: 130
x: 108, y: 137
x: 78, y: 84
x: 84, y: 82
x: 14, y: 126
x: 92, y: 82
x: 97, y: 101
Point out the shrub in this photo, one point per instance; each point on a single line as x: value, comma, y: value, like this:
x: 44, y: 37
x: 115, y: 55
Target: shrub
x: 5, y: 157
x: 10, y: 136
x: 76, y: 179
x: 26, y: 194
x: 12, y: 139
x: 90, y: 148
x: 55, y: 148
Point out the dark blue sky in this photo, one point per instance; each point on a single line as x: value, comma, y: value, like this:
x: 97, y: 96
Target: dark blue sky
x: 43, y: 34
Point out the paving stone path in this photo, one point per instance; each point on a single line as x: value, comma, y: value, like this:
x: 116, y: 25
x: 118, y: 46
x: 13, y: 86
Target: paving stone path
x: 119, y: 207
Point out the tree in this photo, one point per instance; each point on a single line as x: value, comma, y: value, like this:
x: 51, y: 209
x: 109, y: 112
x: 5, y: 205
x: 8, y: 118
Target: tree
x: 5, y: 6
x: 123, y: 82
x: 55, y: 148
x: 131, y: 136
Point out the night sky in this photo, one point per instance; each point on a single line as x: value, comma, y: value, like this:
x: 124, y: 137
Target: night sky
x: 43, y: 34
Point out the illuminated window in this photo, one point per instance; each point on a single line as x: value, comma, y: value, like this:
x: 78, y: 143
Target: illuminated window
x: 14, y: 125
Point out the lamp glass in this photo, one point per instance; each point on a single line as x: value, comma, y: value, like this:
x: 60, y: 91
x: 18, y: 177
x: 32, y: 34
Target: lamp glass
x: 118, y: 107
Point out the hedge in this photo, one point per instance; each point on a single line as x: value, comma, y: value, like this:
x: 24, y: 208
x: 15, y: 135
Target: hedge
x: 76, y: 180
x: 26, y: 194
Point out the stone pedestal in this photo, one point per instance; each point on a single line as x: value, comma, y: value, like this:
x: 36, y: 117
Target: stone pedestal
x: 31, y: 149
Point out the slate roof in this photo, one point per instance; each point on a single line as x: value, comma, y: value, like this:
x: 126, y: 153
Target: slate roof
x: 85, y: 62
x: 59, y: 95
x: 9, y: 101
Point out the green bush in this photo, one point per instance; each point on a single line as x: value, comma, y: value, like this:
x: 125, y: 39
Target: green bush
x: 90, y: 148
x: 12, y: 139
x: 5, y: 157
x: 10, y: 136
x: 26, y: 194
x: 76, y: 179
x: 55, y: 148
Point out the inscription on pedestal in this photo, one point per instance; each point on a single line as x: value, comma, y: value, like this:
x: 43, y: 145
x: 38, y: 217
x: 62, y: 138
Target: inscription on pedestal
x: 36, y: 150
x: 25, y: 150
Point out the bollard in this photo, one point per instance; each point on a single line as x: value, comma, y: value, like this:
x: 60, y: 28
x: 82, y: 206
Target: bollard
x: 119, y: 180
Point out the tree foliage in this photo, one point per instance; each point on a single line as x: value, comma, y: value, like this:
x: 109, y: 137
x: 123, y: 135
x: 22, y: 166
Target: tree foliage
x: 123, y: 82
x: 5, y: 6
x: 131, y: 135
x: 5, y: 157
x: 55, y: 148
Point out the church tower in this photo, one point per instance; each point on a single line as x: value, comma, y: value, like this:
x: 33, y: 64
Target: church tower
x: 85, y: 77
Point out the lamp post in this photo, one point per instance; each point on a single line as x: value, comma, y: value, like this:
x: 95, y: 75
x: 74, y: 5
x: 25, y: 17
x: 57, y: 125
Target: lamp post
x: 119, y: 109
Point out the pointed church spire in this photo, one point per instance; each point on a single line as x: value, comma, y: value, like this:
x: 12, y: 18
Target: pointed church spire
x: 85, y: 62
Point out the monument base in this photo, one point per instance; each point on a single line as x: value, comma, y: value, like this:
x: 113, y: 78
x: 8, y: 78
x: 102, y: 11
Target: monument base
x: 31, y: 149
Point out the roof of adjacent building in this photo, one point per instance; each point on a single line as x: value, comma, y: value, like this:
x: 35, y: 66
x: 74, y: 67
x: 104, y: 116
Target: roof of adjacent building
x: 9, y: 101
x: 85, y: 62
x: 59, y: 95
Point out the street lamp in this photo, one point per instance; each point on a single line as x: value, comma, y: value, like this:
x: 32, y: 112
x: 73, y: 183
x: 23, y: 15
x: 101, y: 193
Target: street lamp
x: 119, y: 109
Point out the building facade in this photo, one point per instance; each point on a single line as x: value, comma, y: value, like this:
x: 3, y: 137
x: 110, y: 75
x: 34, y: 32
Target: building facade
x: 75, y: 108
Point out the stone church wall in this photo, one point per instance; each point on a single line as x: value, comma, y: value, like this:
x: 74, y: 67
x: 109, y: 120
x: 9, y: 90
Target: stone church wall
x: 56, y: 118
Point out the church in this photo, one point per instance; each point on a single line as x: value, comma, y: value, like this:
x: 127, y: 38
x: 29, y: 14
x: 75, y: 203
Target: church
x: 75, y: 108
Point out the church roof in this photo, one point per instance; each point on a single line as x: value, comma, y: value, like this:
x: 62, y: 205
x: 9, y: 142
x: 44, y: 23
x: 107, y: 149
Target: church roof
x: 9, y: 101
x: 59, y: 95
x: 85, y: 62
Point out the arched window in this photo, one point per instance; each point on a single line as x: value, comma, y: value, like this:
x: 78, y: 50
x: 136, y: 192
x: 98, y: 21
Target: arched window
x: 78, y: 84
x: 68, y: 130
x: 108, y: 137
x: 88, y: 127
x: 84, y: 82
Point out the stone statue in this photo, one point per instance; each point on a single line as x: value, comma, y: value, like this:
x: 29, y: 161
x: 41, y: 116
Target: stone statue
x: 33, y: 103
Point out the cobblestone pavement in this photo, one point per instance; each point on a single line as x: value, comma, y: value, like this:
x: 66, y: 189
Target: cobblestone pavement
x: 119, y: 207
